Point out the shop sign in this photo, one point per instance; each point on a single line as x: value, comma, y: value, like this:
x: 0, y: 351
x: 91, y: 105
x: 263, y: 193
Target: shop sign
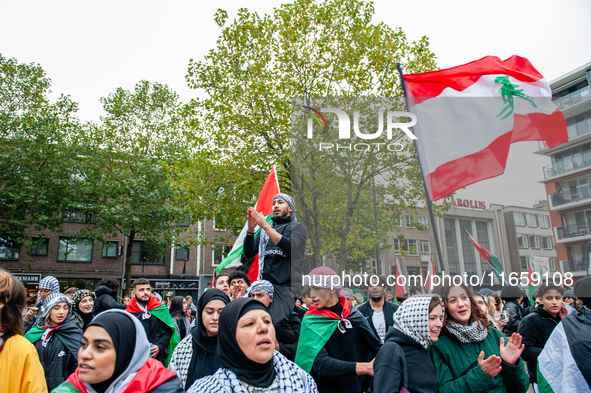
x: 28, y: 278
x: 175, y: 285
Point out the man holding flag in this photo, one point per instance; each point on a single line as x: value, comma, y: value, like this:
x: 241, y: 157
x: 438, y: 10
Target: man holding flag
x: 155, y: 319
x: 280, y: 245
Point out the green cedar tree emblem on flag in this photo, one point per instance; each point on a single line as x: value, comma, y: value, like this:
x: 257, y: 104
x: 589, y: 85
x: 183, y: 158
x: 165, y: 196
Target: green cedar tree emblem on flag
x: 508, y: 91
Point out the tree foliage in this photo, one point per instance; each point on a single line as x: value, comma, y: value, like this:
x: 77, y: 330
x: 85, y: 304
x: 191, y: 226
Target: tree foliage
x: 310, y: 49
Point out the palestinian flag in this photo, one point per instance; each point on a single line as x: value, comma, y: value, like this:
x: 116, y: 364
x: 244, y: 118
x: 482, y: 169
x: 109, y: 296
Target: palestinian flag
x: 319, y: 325
x: 264, y: 206
x: 398, y: 289
x: 532, y: 285
x: 563, y: 365
x: 468, y: 116
x: 430, y: 274
x: 158, y: 310
x: 492, y: 260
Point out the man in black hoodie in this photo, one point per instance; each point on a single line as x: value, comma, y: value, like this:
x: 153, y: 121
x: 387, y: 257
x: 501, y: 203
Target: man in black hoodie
x: 537, y: 327
x: 106, y: 296
x: 378, y: 312
x: 281, y: 245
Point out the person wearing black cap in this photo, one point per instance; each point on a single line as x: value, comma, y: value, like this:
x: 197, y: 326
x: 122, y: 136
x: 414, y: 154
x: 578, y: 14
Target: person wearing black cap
x: 247, y: 357
x: 115, y: 357
x: 195, y: 355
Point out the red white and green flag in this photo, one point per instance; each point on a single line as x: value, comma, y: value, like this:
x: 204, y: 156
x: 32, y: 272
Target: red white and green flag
x: 468, y: 116
x: 489, y: 257
x: 398, y: 288
x: 430, y: 274
x: 264, y: 205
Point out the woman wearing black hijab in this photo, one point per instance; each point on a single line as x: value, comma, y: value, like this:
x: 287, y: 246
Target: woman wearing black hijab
x: 195, y: 355
x: 246, y: 352
x: 115, y: 357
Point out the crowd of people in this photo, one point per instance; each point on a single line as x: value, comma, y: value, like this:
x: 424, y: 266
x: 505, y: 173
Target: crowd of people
x: 265, y: 337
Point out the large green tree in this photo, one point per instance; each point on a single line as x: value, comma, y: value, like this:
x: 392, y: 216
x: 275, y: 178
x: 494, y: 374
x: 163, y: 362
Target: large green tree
x: 310, y: 49
x: 133, y: 182
x: 39, y: 148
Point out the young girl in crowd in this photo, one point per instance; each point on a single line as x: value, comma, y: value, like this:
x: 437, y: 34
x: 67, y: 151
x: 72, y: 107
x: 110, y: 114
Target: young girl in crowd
x: 247, y: 357
x: 178, y: 312
x: 471, y: 356
x: 195, y: 357
x: 115, y: 357
x: 82, y: 305
x: 20, y: 370
x: 403, y: 361
x: 57, y: 339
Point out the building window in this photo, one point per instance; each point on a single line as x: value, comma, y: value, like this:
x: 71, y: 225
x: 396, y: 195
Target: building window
x: 451, y: 246
x: 524, y: 266
x: 9, y: 249
x: 547, y: 242
x: 72, y: 249
x: 396, y: 246
x: 553, y: 263
x: 530, y: 220
x: 409, y: 220
x: 543, y: 221
x: 533, y: 241
x: 40, y: 246
x: 398, y: 223
x: 425, y: 247
x: 220, y: 251
x: 181, y: 254
x: 76, y: 215
x: 519, y: 219
x: 145, y: 252
x: 413, y: 248
x: 110, y: 249
x: 468, y: 248
x: 521, y: 240
x: 424, y: 221
x: 217, y: 227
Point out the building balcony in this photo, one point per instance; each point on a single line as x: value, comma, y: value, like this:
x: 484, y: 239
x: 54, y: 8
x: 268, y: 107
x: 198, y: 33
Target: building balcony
x: 571, y: 198
x: 574, y: 266
x: 574, y: 233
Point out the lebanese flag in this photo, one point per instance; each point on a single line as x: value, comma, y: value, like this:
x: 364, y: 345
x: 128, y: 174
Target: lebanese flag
x: 264, y: 205
x: 468, y: 116
x: 430, y: 274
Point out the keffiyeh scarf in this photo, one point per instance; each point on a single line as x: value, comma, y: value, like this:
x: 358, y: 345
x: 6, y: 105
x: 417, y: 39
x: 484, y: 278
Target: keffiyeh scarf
x: 472, y: 333
x: 412, y: 318
x: 290, y: 377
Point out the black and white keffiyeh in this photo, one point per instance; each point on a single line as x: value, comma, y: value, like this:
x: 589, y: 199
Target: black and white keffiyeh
x: 181, y: 358
x: 263, y: 286
x: 412, y: 318
x: 472, y: 333
x: 290, y: 377
x: 53, y: 300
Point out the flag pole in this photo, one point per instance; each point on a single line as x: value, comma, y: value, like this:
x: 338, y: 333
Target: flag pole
x: 428, y: 198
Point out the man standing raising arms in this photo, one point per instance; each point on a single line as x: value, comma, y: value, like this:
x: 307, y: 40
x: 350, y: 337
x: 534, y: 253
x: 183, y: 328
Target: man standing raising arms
x: 280, y: 245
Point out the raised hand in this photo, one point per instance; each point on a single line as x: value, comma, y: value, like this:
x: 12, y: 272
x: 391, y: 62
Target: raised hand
x: 563, y: 311
x: 490, y: 366
x: 511, y: 352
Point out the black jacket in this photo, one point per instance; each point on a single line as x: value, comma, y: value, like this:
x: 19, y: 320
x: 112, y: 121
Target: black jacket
x: 283, y: 261
x: 289, y: 350
x: 515, y: 316
x: 158, y: 333
x: 536, y: 329
x: 57, y: 359
x: 335, y: 364
x: 388, y: 366
x: 106, y: 299
x: 389, y: 309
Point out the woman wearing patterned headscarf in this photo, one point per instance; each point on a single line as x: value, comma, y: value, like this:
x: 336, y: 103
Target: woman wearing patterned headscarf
x: 57, y: 339
x: 471, y: 355
x: 47, y: 286
x: 82, y: 305
x: 403, y: 361
x: 249, y: 363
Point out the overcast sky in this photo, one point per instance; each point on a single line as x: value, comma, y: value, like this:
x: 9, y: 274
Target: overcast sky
x: 89, y: 48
